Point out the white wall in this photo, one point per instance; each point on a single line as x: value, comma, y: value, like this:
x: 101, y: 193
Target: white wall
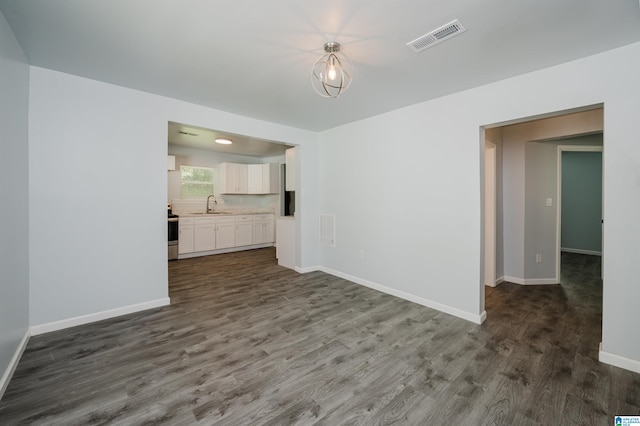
x: 93, y: 148
x: 405, y: 186
x: 14, y: 189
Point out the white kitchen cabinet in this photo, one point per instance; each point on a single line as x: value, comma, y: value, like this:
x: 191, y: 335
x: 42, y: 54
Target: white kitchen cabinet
x: 290, y: 162
x: 233, y: 178
x: 254, y: 177
x: 263, y: 178
x: 185, y: 235
x: 244, y: 231
x: 205, y: 234
x: 263, y: 229
x: 225, y: 234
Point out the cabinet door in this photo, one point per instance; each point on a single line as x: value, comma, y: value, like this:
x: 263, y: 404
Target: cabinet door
x: 242, y: 178
x: 204, y: 237
x: 269, y: 232
x: 258, y: 231
x: 255, y: 178
x: 263, y: 232
x: 234, y: 178
x: 185, y: 239
x: 225, y: 235
x: 244, y: 234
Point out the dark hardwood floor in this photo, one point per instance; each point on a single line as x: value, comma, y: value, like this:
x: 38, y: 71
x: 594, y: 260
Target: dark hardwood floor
x: 246, y: 342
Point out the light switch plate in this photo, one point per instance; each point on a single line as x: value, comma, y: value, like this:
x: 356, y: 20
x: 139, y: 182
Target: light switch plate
x: 549, y: 202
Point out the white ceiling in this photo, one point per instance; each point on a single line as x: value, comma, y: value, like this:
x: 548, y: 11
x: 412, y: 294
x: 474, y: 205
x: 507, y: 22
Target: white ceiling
x: 254, y: 57
x: 204, y: 139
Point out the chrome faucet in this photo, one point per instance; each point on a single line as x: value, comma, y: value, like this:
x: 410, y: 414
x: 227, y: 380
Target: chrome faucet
x: 214, y: 200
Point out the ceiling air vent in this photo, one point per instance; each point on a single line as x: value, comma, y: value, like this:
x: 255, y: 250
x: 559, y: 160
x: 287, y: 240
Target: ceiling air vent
x: 436, y: 36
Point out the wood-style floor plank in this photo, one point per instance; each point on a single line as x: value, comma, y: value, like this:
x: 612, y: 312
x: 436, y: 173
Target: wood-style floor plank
x: 246, y: 341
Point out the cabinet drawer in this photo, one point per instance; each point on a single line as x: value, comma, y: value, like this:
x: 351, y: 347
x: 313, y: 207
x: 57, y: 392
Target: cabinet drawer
x: 185, y: 221
x: 225, y: 219
x: 261, y: 217
x: 205, y: 220
x: 244, y: 218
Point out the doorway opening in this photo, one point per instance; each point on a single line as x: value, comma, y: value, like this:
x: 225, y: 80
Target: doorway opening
x: 580, y: 211
x: 523, y: 247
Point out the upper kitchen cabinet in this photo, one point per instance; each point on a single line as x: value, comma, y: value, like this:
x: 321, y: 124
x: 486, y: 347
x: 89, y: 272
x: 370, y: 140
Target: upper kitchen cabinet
x: 263, y: 178
x: 233, y: 178
x: 290, y: 161
x: 249, y: 178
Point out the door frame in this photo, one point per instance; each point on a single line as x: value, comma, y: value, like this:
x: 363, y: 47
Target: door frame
x: 569, y: 148
x: 490, y: 221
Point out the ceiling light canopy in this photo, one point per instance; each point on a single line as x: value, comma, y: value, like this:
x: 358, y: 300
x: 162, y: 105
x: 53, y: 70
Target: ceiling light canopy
x: 331, y: 74
x: 224, y: 141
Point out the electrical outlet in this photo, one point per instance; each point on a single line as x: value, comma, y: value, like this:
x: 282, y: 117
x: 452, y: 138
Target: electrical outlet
x: 539, y: 258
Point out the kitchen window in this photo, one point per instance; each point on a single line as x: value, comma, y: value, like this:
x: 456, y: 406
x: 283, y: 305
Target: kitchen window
x: 196, y: 182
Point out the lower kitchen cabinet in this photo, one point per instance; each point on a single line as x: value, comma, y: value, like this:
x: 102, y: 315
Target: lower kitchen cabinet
x: 225, y: 235
x: 203, y: 235
x: 185, y: 235
x: 263, y: 229
x: 244, y: 230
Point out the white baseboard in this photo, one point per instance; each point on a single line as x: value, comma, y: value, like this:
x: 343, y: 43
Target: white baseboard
x: 308, y: 269
x: 11, y: 368
x: 497, y: 282
x: 530, y: 281
x: 618, y: 361
x: 97, y: 316
x: 580, y: 251
x: 478, y: 319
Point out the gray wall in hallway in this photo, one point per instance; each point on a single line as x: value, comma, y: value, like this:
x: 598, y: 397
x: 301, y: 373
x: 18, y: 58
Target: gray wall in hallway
x: 581, y: 201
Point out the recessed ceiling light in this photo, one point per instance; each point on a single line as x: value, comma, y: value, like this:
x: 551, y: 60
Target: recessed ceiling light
x: 223, y: 141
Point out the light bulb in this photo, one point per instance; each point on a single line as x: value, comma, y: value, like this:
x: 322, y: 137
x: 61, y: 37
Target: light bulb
x: 331, y: 73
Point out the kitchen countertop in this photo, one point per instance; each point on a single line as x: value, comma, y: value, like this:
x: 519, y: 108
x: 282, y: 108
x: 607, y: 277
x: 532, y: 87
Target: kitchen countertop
x: 221, y: 212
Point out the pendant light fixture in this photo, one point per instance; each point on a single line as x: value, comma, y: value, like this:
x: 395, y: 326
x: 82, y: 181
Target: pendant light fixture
x: 331, y: 74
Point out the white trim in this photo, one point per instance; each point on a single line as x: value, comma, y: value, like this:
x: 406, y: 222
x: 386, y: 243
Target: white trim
x: 581, y: 251
x: 541, y: 281
x: 223, y: 250
x: 475, y: 318
x: 11, y: 368
x: 97, y: 316
x: 499, y: 281
x: 618, y: 361
x: 530, y: 281
x: 307, y: 269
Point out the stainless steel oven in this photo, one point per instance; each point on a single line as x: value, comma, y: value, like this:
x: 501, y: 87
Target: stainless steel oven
x: 173, y: 236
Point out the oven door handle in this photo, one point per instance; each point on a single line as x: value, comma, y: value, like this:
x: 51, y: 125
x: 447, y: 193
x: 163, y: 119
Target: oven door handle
x: 173, y: 219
